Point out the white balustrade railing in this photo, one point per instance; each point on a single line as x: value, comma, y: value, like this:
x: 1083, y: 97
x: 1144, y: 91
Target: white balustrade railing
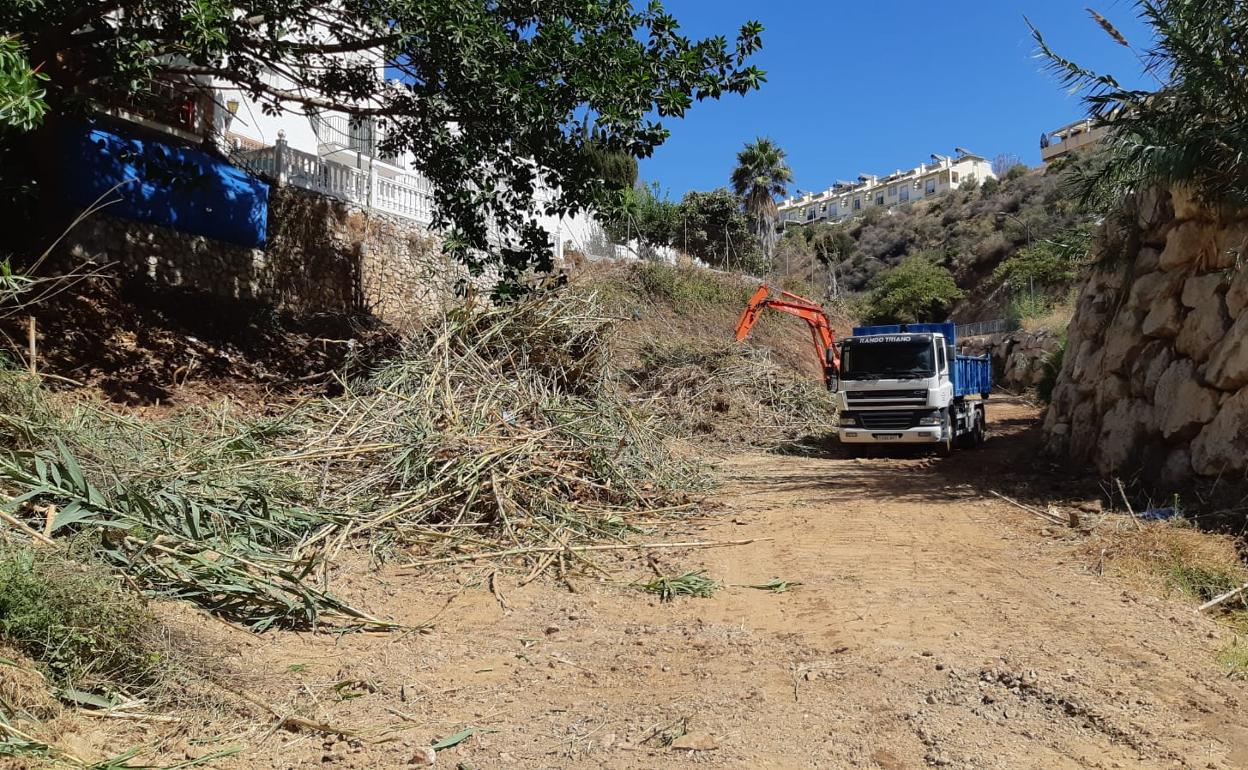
x: 409, y: 195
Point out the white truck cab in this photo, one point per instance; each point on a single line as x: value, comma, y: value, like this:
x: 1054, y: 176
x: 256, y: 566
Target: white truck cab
x: 906, y: 385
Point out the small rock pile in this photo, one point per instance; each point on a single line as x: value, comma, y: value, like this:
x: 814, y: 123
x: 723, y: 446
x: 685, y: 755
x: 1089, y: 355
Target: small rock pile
x: 1156, y: 366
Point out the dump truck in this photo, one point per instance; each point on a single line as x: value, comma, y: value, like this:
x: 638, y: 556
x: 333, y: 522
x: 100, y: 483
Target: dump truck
x: 895, y: 384
x: 907, y: 384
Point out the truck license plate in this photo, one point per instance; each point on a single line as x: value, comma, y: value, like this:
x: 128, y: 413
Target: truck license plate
x: 886, y: 436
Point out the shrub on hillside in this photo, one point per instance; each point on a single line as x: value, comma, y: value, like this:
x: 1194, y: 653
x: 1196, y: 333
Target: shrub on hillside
x: 918, y: 289
x: 686, y: 288
x: 1048, y: 263
x: 1050, y: 368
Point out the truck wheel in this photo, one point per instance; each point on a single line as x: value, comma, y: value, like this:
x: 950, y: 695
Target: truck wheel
x: 945, y: 447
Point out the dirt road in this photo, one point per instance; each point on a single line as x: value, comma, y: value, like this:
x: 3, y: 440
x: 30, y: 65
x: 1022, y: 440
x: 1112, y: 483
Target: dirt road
x: 934, y: 626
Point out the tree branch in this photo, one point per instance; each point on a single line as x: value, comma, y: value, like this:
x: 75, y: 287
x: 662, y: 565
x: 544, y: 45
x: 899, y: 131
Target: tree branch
x: 283, y: 94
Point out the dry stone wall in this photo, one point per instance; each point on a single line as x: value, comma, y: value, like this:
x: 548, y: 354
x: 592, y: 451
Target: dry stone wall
x: 323, y: 256
x: 1155, y: 375
x: 1018, y: 357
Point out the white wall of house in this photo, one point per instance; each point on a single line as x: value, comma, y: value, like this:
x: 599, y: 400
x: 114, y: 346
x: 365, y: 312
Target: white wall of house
x: 334, y: 138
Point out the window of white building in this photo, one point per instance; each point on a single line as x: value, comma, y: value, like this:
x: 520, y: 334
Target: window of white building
x: 930, y: 188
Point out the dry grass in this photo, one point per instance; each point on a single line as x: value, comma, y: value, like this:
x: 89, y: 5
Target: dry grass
x: 24, y: 692
x: 731, y: 394
x: 496, y: 430
x: 1052, y: 318
x: 676, y: 344
x: 1169, y: 558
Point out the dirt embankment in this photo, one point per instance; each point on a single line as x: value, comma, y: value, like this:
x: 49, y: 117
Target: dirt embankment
x: 929, y: 623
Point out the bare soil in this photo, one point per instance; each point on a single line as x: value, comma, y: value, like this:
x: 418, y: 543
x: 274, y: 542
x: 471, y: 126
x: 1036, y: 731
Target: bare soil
x: 934, y: 625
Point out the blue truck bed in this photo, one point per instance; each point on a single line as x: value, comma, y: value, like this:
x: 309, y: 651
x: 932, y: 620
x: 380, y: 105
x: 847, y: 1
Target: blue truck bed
x: 969, y: 374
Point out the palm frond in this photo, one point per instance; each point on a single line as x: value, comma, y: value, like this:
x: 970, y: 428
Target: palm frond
x: 1194, y: 128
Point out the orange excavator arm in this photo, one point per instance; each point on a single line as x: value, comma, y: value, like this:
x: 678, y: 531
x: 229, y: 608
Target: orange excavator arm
x: 808, y: 310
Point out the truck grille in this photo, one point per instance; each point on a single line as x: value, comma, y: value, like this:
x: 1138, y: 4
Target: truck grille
x: 888, y: 393
x: 888, y: 420
x: 886, y: 398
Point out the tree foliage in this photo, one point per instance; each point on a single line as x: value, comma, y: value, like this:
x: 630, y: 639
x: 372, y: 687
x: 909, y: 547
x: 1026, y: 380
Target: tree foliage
x: 22, y: 93
x: 487, y: 95
x: 1193, y: 127
x: 918, y: 289
x: 644, y: 214
x: 716, y: 231
x: 1049, y: 263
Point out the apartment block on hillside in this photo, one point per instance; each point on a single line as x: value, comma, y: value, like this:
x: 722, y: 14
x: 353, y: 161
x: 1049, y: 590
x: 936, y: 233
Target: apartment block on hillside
x: 1069, y: 138
x: 847, y: 199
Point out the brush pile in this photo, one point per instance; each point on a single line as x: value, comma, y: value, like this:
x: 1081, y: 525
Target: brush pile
x: 499, y: 428
x: 503, y: 424
x: 732, y: 394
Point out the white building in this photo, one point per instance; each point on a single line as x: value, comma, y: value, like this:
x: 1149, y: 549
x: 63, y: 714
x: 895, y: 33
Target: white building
x: 328, y: 151
x: 1071, y: 137
x: 848, y: 199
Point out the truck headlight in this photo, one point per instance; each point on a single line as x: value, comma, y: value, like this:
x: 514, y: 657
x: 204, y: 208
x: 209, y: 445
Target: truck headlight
x: 931, y: 419
x: 849, y: 422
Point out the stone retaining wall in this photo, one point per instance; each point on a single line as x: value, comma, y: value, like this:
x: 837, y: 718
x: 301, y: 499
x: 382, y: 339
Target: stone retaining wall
x: 323, y: 256
x: 1017, y: 357
x: 1155, y: 376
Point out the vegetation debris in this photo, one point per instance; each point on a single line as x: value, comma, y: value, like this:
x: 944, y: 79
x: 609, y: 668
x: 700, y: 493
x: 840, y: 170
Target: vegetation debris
x: 695, y: 584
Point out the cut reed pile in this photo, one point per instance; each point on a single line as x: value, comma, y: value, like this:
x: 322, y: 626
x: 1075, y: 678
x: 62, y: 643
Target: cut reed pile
x: 496, y: 430
x: 731, y: 393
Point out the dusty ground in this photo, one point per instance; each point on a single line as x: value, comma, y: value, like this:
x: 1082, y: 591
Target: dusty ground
x: 935, y: 625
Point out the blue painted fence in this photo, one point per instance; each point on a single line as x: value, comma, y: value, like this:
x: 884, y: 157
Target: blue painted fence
x: 163, y: 182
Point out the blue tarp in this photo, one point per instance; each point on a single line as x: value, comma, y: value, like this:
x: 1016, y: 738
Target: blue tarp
x: 164, y: 182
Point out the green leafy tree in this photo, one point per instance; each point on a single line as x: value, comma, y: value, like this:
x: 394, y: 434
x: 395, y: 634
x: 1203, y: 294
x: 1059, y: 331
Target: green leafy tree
x: 715, y: 230
x: 917, y: 289
x: 485, y: 94
x: 617, y: 170
x: 760, y: 175
x: 643, y: 213
x: 1193, y: 126
x: 1052, y: 262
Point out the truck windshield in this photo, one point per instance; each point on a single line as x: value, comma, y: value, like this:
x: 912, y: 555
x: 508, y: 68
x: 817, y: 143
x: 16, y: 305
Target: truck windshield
x: 887, y: 360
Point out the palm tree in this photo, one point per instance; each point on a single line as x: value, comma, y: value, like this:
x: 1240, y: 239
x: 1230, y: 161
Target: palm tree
x: 762, y: 174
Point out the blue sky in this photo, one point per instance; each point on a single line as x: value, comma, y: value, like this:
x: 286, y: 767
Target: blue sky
x: 872, y: 87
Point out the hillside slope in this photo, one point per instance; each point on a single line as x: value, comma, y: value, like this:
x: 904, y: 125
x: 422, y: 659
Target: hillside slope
x: 971, y: 231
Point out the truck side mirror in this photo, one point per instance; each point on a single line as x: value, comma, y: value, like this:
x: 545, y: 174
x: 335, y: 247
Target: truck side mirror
x: 834, y: 380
